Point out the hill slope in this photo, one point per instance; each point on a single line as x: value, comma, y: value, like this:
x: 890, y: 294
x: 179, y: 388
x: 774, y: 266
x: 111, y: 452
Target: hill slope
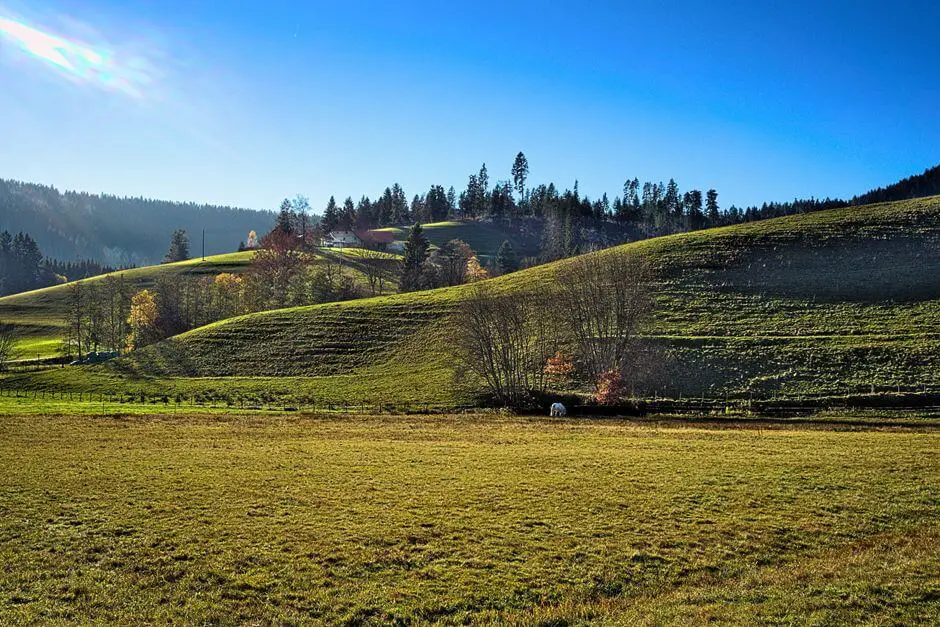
x: 827, y: 303
x: 40, y: 314
x: 118, y: 231
x: 484, y: 238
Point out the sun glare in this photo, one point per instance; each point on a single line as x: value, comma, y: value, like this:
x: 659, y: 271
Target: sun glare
x: 77, y: 61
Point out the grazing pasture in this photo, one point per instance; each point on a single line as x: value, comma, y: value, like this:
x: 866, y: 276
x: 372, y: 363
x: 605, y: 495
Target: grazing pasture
x: 462, y: 519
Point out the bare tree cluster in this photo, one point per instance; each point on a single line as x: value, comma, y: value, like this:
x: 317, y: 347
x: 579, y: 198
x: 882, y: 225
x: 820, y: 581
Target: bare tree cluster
x: 602, y: 301
x: 97, y: 315
x: 594, y: 311
x: 505, y: 340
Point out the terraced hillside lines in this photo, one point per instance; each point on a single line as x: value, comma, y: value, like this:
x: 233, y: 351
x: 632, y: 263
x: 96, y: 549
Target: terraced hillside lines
x: 776, y: 308
x: 312, y: 341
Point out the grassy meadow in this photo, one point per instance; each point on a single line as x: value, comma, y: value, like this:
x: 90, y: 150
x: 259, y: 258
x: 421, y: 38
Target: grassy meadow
x: 463, y: 519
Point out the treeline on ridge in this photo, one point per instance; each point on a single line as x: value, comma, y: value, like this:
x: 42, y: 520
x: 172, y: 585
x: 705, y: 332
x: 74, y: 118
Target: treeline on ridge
x: 23, y: 266
x: 116, y: 231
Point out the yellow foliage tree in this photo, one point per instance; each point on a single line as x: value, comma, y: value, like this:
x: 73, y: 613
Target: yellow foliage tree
x: 143, y: 320
x: 476, y: 272
x: 227, y: 292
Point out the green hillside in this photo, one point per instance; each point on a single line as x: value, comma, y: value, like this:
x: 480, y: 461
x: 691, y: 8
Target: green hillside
x: 484, y: 238
x: 40, y: 314
x: 829, y: 303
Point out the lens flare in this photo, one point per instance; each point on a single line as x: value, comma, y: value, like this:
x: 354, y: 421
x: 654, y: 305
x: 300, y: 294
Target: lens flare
x: 77, y: 61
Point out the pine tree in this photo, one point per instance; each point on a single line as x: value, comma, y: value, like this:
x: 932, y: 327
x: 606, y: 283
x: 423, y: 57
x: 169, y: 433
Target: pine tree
x: 400, y: 205
x: 711, y: 207
x: 436, y: 204
x: 416, y: 253
x: 673, y: 206
x: 520, y: 172
x: 482, y: 197
x: 468, y: 199
x: 285, y: 219
x: 347, y: 217
x: 330, y: 220
x: 506, y: 258
x: 179, y: 247
x: 385, y: 207
x: 693, y: 209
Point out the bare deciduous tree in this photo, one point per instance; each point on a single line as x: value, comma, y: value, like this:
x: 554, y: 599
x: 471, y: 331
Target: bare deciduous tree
x: 594, y: 310
x: 374, y: 265
x: 7, y: 342
x: 505, y: 340
x: 451, y: 259
x: 603, y: 300
x: 77, y: 319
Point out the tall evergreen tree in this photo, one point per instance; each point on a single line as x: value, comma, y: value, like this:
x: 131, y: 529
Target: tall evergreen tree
x: 330, y: 219
x: 506, y: 258
x: 417, y: 251
x: 481, y: 201
x: 400, y: 205
x: 520, y: 172
x: 385, y: 208
x: 693, y: 209
x: 179, y: 247
x: 468, y: 198
x: 436, y: 204
x: 347, y: 217
x: 365, y: 214
x: 285, y: 218
x: 711, y: 207
x: 672, y: 203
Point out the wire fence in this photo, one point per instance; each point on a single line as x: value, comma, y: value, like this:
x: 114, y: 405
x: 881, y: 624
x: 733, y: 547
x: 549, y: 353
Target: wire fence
x: 897, y: 397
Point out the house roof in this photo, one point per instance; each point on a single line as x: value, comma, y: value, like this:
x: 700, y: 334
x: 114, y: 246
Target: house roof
x: 377, y: 237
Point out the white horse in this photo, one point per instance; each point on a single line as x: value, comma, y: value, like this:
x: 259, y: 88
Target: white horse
x: 558, y: 410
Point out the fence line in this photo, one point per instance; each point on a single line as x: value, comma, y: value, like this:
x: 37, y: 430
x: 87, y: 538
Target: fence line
x: 923, y: 396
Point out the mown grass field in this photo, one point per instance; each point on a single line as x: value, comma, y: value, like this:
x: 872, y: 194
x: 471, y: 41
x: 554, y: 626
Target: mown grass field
x: 462, y: 519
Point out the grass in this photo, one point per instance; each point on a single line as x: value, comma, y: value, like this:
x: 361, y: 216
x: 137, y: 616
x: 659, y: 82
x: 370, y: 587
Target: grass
x: 462, y: 519
x: 40, y: 314
x: 43, y: 311
x: 484, y: 238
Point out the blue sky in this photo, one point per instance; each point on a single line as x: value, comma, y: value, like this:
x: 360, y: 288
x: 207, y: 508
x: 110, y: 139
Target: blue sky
x: 245, y: 103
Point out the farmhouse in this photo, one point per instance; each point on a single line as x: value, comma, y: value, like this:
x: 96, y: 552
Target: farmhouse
x: 342, y: 239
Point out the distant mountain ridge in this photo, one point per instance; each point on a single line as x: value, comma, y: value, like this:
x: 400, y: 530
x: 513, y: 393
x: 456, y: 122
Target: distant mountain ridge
x: 119, y: 231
